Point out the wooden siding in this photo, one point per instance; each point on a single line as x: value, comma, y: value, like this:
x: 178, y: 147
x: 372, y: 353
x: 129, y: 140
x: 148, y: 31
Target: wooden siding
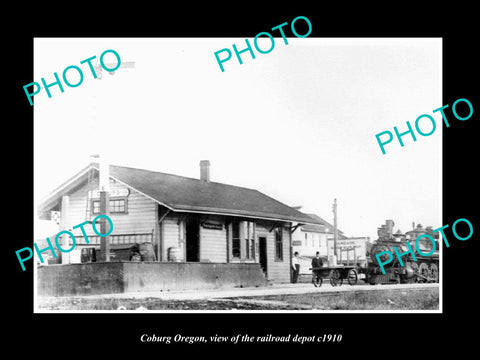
x: 140, y: 217
x: 213, y: 245
x: 277, y: 271
x: 171, y: 236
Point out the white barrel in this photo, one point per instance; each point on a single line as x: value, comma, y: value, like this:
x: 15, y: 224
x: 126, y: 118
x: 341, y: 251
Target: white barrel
x: 332, y: 260
x: 174, y: 254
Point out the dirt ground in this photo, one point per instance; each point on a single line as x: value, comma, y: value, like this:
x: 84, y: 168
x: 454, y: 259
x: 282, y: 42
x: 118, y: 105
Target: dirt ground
x: 159, y: 304
x: 390, y: 299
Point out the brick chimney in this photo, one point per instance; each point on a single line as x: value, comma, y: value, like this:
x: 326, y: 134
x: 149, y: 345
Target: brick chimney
x: 205, y: 170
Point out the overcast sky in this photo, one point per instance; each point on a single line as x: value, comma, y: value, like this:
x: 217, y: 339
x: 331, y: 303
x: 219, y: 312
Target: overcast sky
x: 298, y: 123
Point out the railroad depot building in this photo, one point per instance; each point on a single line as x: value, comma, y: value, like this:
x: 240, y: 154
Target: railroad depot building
x: 191, y: 233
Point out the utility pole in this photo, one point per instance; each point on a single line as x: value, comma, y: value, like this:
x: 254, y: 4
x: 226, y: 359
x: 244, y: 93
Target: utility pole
x: 104, y: 177
x: 335, y: 231
x: 104, y: 187
x: 104, y: 241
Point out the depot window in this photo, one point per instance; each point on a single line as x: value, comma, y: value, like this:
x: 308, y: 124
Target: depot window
x: 236, y: 239
x: 249, y: 230
x: 278, y: 244
x: 117, y: 206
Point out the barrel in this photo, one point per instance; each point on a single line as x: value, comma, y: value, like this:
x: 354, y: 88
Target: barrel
x: 146, y: 251
x: 332, y: 260
x: 174, y: 254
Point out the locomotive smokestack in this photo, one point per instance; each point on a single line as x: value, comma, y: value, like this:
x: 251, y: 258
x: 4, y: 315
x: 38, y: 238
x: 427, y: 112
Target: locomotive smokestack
x: 389, y: 228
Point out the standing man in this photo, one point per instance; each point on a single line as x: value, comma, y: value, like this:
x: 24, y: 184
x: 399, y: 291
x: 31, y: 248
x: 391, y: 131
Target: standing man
x: 295, y: 267
x: 316, y: 262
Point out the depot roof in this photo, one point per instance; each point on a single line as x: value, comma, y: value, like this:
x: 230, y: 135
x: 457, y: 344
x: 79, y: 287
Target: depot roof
x: 183, y: 194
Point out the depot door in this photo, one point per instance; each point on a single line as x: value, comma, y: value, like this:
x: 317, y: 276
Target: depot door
x: 192, y: 239
x: 262, y: 256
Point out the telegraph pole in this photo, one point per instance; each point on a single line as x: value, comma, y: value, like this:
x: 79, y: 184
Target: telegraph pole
x: 104, y: 241
x: 104, y: 187
x: 104, y: 178
x: 335, y: 231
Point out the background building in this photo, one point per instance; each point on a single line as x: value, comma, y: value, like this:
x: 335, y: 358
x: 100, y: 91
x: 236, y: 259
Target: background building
x: 308, y: 239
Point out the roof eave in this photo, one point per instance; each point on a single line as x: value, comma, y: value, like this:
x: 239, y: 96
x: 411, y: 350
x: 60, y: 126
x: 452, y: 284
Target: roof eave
x: 52, y: 199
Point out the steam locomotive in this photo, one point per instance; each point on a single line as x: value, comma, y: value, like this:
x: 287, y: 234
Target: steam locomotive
x: 424, y: 269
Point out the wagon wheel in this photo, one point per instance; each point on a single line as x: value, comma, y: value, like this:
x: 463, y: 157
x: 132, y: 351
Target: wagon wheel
x: 433, y: 272
x: 352, y: 277
x: 423, y: 272
x: 335, y: 278
x: 317, y: 280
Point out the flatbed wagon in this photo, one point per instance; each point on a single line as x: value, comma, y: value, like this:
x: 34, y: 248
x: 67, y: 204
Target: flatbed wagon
x: 336, y: 274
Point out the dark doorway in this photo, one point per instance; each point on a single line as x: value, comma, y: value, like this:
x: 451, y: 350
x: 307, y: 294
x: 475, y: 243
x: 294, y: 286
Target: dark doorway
x: 262, y: 242
x: 192, y: 239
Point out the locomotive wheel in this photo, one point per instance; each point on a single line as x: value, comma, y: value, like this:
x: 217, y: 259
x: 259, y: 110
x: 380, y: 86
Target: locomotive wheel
x: 433, y: 272
x: 335, y: 278
x: 317, y: 280
x: 396, y: 279
x: 352, y: 277
x: 370, y: 278
x: 414, y: 266
x: 423, y: 271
